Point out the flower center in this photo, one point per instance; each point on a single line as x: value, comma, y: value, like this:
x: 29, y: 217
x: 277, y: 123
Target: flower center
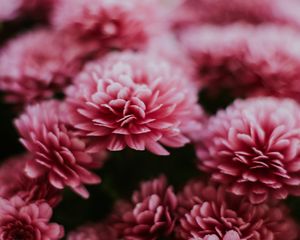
x: 19, y: 231
x: 126, y: 106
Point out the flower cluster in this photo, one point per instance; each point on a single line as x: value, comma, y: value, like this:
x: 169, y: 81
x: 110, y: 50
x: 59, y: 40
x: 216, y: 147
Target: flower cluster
x: 97, y: 89
x: 200, y: 211
x: 211, y: 213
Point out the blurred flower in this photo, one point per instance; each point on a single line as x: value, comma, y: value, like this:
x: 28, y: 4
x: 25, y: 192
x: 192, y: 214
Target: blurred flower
x: 97, y: 231
x: 188, y: 197
x: 115, y: 24
x: 246, y: 60
x: 169, y: 48
x: 197, y: 12
x: 39, y: 64
x: 14, y: 182
x: 217, y: 215
x: 151, y: 214
x: 130, y: 100
x: 27, y: 221
x: 58, y: 154
x: 253, y: 148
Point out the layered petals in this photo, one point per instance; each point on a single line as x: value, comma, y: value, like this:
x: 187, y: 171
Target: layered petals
x: 128, y: 100
x: 150, y: 215
x: 253, y: 148
x: 57, y: 152
x: 19, y: 220
x: 214, y: 214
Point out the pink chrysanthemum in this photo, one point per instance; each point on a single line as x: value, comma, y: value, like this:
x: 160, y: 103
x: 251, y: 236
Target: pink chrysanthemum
x: 58, y: 154
x: 116, y: 24
x: 13, y: 181
x: 21, y: 221
x: 214, y: 214
x: 93, y: 232
x: 30, y: 71
x: 188, y: 196
x: 253, y: 147
x: 195, y: 12
x: 130, y: 100
x: 151, y: 215
x: 247, y: 60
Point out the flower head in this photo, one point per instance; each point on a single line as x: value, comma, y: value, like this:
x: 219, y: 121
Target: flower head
x: 246, y: 60
x: 57, y: 152
x: 39, y: 64
x: 97, y: 231
x: 214, y: 214
x: 14, y: 182
x: 19, y: 220
x: 253, y: 148
x: 151, y: 213
x: 115, y: 24
x: 129, y: 100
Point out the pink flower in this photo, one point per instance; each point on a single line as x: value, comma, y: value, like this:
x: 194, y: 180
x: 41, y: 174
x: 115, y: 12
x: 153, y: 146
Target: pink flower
x: 19, y: 220
x: 151, y: 215
x: 195, y: 12
x: 13, y: 181
x: 130, y: 100
x: 30, y: 71
x: 116, y: 24
x: 189, y: 195
x: 217, y: 215
x: 97, y: 231
x: 246, y: 60
x: 58, y: 153
x: 252, y: 147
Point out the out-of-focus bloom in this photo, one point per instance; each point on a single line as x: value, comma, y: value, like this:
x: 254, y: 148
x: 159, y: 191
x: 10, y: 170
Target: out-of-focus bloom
x: 13, y: 181
x: 38, y: 64
x: 190, y: 193
x: 11, y: 9
x: 130, y: 100
x: 10, y: 175
x: 253, y: 148
x: 151, y: 215
x: 57, y: 153
x: 168, y: 47
x: 246, y: 60
x: 97, y: 231
x: 214, y: 214
x: 195, y: 12
x: 114, y: 23
x: 19, y: 220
